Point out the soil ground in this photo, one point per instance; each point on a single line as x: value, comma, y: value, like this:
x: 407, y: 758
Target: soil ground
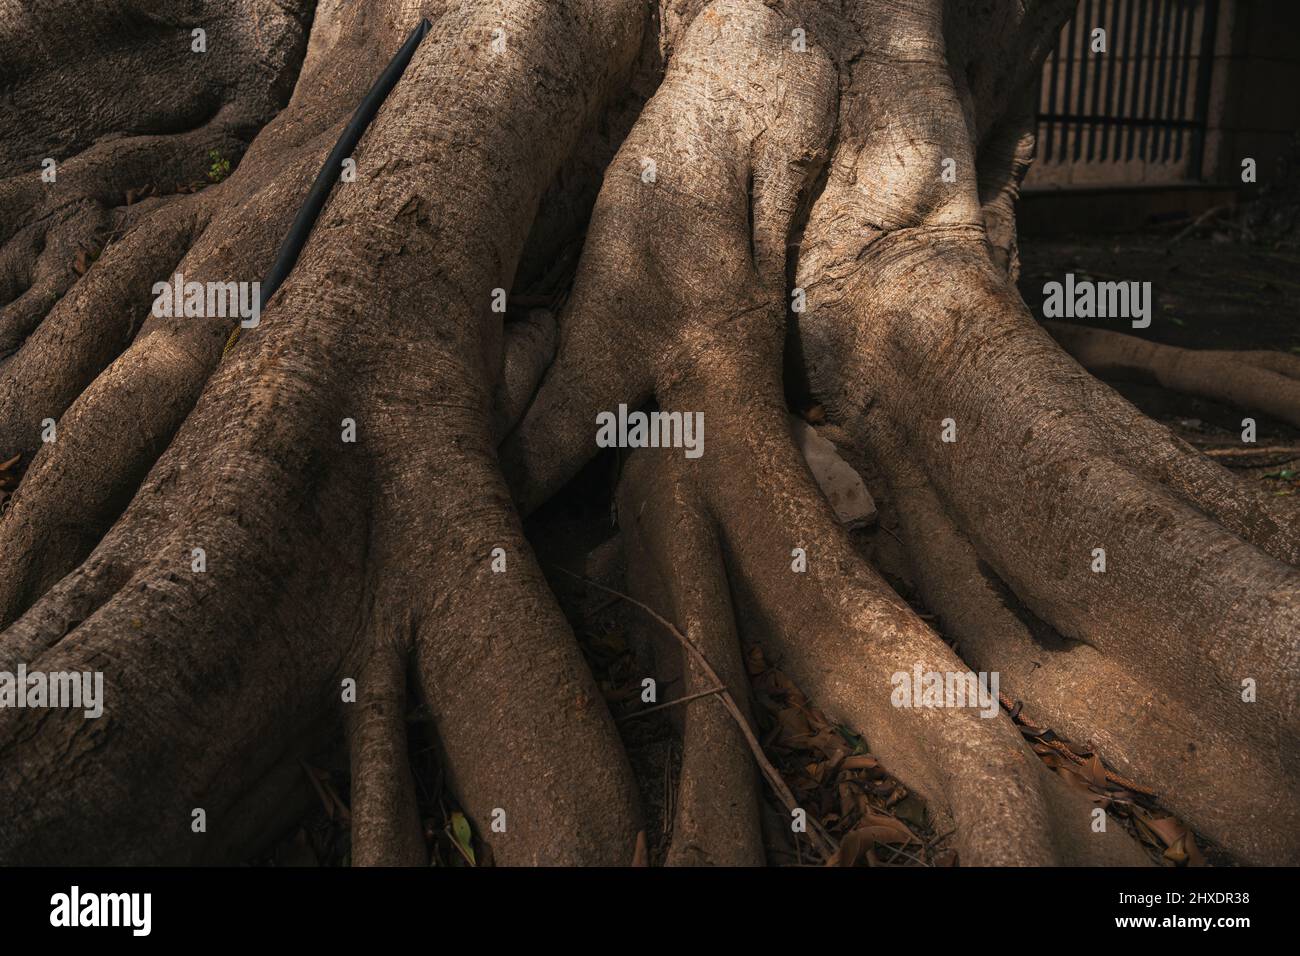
x: 1210, y: 293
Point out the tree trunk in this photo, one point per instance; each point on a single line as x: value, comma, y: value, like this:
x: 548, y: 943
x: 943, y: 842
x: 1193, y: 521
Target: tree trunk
x: 714, y: 162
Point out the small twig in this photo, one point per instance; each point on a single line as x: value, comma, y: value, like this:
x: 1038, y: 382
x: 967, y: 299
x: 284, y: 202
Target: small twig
x: 335, y: 809
x: 593, y: 611
x: 671, y: 703
x: 825, y: 845
x: 935, y: 841
x: 1199, y: 221
x: 1268, y: 450
x: 891, y: 534
x: 670, y: 802
x: 898, y: 850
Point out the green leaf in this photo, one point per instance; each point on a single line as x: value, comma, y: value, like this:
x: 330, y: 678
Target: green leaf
x: 461, y: 836
x: 853, y: 740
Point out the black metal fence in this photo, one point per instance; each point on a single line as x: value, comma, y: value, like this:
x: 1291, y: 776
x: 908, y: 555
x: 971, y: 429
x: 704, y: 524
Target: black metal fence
x: 1144, y: 99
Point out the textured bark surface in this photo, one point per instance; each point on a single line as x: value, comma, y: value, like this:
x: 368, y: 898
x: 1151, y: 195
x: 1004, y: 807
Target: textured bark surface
x: 795, y: 150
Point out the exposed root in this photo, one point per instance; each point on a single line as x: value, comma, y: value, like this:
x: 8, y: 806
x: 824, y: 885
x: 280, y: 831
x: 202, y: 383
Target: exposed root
x: 88, y: 328
x: 386, y: 827
x: 1003, y: 162
x: 538, y: 768
x: 843, y: 635
x: 133, y: 99
x: 118, y: 380
x: 229, y: 539
x: 44, y: 265
x: 526, y: 353
x: 843, y: 630
x: 674, y: 562
x: 227, y: 602
x: 1095, y: 467
x: 706, y: 123
x: 1263, y: 382
x: 1079, y: 691
x: 233, y: 642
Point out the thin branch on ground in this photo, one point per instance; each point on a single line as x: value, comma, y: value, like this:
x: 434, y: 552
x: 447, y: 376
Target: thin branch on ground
x: 824, y: 842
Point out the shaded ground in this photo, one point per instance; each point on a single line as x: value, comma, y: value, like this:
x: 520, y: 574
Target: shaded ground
x: 1210, y: 294
x: 1211, y: 291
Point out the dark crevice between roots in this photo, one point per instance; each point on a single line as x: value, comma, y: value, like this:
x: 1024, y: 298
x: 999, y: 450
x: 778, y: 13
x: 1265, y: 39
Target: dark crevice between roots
x: 1046, y: 636
x: 798, y: 384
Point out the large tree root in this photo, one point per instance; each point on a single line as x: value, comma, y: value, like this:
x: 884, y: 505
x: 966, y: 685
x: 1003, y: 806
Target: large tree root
x: 1255, y: 381
x: 120, y: 380
x: 675, y: 562
x: 143, y: 109
x: 845, y: 634
x: 1189, y: 619
x: 206, y: 533
x: 140, y: 72
x: 919, y: 328
x: 323, y: 559
x: 1086, y: 695
x: 387, y: 828
x: 1119, y: 538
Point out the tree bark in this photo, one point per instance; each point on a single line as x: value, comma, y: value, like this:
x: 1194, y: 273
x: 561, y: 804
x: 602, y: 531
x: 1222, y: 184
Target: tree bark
x: 714, y: 162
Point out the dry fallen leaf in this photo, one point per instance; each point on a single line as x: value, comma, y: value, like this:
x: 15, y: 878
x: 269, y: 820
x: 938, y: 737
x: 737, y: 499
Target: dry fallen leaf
x: 1179, y: 844
x: 860, y: 762
x: 885, y: 829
